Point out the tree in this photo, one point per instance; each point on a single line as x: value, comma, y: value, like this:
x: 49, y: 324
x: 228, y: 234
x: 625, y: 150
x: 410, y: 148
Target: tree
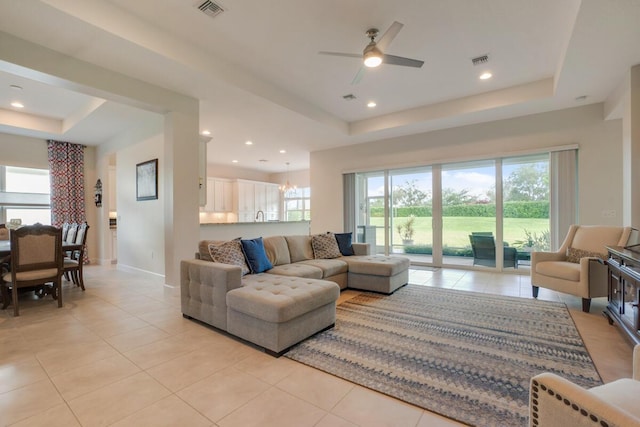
x: 451, y: 197
x: 410, y: 195
x: 528, y: 183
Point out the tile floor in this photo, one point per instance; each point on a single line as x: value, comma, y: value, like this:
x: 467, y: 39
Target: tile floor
x: 121, y: 354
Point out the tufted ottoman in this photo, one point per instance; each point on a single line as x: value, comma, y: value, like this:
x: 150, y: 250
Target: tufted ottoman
x: 276, y: 312
x: 377, y: 273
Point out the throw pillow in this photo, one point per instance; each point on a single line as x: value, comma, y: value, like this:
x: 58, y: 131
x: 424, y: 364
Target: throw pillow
x: 344, y: 243
x: 256, y: 255
x: 325, y: 246
x: 229, y: 253
x: 574, y: 255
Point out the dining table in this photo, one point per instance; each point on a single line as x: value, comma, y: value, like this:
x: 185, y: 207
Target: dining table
x: 5, y: 247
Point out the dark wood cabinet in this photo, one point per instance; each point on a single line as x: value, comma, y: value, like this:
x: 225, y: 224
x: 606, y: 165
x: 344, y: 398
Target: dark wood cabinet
x: 624, y: 290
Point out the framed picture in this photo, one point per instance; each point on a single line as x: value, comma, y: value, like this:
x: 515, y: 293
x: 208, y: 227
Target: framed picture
x: 147, y: 180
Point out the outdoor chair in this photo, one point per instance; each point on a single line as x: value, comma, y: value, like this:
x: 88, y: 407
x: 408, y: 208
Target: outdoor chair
x: 36, y: 259
x: 483, y: 247
x: 578, y: 267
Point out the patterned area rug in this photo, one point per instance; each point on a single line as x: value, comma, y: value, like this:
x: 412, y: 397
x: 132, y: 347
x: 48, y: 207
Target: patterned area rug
x: 465, y: 355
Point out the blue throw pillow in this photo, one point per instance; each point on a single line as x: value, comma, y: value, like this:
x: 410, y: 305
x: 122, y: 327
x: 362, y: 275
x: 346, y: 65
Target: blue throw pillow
x: 344, y: 243
x: 256, y: 255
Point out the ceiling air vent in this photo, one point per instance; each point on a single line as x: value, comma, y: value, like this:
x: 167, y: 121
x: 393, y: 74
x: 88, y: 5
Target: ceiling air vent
x: 480, y: 60
x: 210, y: 8
x: 349, y: 97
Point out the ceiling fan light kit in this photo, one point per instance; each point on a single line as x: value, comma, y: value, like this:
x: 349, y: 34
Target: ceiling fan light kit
x: 373, y: 54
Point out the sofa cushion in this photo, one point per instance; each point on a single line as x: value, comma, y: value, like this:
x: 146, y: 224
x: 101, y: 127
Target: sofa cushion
x: 256, y: 256
x: 277, y: 250
x: 377, y: 265
x: 559, y: 269
x: 299, y: 247
x: 325, y: 246
x: 329, y: 267
x: 203, y: 248
x: 574, y: 255
x: 622, y: 393
x: 297, y: 270
x: 344, y: 243
x: 229, y: 253
x: 279, y: 299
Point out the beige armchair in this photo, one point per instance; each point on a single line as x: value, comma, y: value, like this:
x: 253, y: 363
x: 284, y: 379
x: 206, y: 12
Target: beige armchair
x: 557, y: 402
x: 577, y: 267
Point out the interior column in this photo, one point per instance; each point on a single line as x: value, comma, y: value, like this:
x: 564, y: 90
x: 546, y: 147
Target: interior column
x: 180, y: 174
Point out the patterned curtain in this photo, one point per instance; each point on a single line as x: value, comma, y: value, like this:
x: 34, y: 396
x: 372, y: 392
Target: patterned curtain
x: 66, y: 169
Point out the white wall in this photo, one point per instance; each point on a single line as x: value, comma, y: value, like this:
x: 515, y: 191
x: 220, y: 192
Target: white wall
x: 600, y: 158
x: 140, y: 223
x: 23, y: 151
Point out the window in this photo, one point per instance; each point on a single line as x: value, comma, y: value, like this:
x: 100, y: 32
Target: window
x: 24, y: 195
x: 449, y: 214
x: 297, y: 205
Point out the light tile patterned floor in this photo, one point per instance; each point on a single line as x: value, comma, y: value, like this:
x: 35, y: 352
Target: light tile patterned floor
x: 121, y: 354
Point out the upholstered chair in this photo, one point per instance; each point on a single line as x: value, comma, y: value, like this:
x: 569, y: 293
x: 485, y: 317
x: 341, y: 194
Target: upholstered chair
x: 74, y: 262
x: 36, y: 259
x: 557, y: 402
x: 578, y: 267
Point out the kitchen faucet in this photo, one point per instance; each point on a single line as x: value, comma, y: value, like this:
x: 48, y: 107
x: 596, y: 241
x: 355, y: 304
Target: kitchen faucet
x: 258, y: 215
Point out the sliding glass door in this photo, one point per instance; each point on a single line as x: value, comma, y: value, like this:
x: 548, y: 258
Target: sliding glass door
x: 469, y: 210
x: 410, y: 213
x: 486, y: 214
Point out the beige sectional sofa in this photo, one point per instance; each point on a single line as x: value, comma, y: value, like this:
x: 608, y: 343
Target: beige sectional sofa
x: 293, y: 300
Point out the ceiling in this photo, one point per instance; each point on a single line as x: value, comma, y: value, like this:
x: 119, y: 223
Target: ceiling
x: 256, y: 69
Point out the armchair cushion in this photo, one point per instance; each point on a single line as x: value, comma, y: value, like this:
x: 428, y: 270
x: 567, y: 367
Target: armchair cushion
x: 559, y: 269
x: 574, y: 254
x: 622, y: 393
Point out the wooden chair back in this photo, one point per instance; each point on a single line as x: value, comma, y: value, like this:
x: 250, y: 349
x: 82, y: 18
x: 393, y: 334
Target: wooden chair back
x: 36, y: 259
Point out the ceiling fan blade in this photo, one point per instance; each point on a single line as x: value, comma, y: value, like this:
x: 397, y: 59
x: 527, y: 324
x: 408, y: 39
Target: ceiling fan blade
x: 349, y: 55
x: 389, y: 35
x: 359, y: 75
x: 399, y: 60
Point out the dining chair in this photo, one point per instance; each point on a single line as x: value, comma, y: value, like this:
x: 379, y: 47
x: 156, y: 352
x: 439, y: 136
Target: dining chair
x: 72, y: 264
x: 36, y: 259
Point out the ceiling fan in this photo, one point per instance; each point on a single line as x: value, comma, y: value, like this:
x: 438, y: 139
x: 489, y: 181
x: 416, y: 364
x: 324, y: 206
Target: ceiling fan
x: 373, y: 55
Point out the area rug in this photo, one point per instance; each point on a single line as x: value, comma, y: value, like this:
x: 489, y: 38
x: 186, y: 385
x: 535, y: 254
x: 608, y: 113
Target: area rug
x: 465, y: 355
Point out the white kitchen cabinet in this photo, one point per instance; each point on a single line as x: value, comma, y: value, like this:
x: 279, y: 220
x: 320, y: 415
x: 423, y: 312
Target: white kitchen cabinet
x: 253, y: 196
x: 219, y: 195
x: 272, y: 210
x: 223, y: 195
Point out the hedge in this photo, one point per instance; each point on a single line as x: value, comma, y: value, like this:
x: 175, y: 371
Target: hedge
x: 511, y: 210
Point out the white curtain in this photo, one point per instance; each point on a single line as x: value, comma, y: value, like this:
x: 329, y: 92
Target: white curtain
x: 563, y: 208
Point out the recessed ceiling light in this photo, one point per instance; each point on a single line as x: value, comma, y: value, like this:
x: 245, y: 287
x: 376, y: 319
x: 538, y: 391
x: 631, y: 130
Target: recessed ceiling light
x: 206, y: 132
x: 15, y: 87
x: 283, y: 151
x: 485, y: 76
x: 17, y: 104
x: 234, y: 161
x: 249, y: 143
x: 371, y: 104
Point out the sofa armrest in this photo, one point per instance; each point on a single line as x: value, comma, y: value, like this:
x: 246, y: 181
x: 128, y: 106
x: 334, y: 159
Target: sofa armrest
x: 553, y: 401
x: 361, y: 248
x: 547, y: 256
x: 203, y: 290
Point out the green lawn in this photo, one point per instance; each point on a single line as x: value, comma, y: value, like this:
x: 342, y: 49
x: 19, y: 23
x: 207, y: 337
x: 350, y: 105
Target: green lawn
x: 456, y: 230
